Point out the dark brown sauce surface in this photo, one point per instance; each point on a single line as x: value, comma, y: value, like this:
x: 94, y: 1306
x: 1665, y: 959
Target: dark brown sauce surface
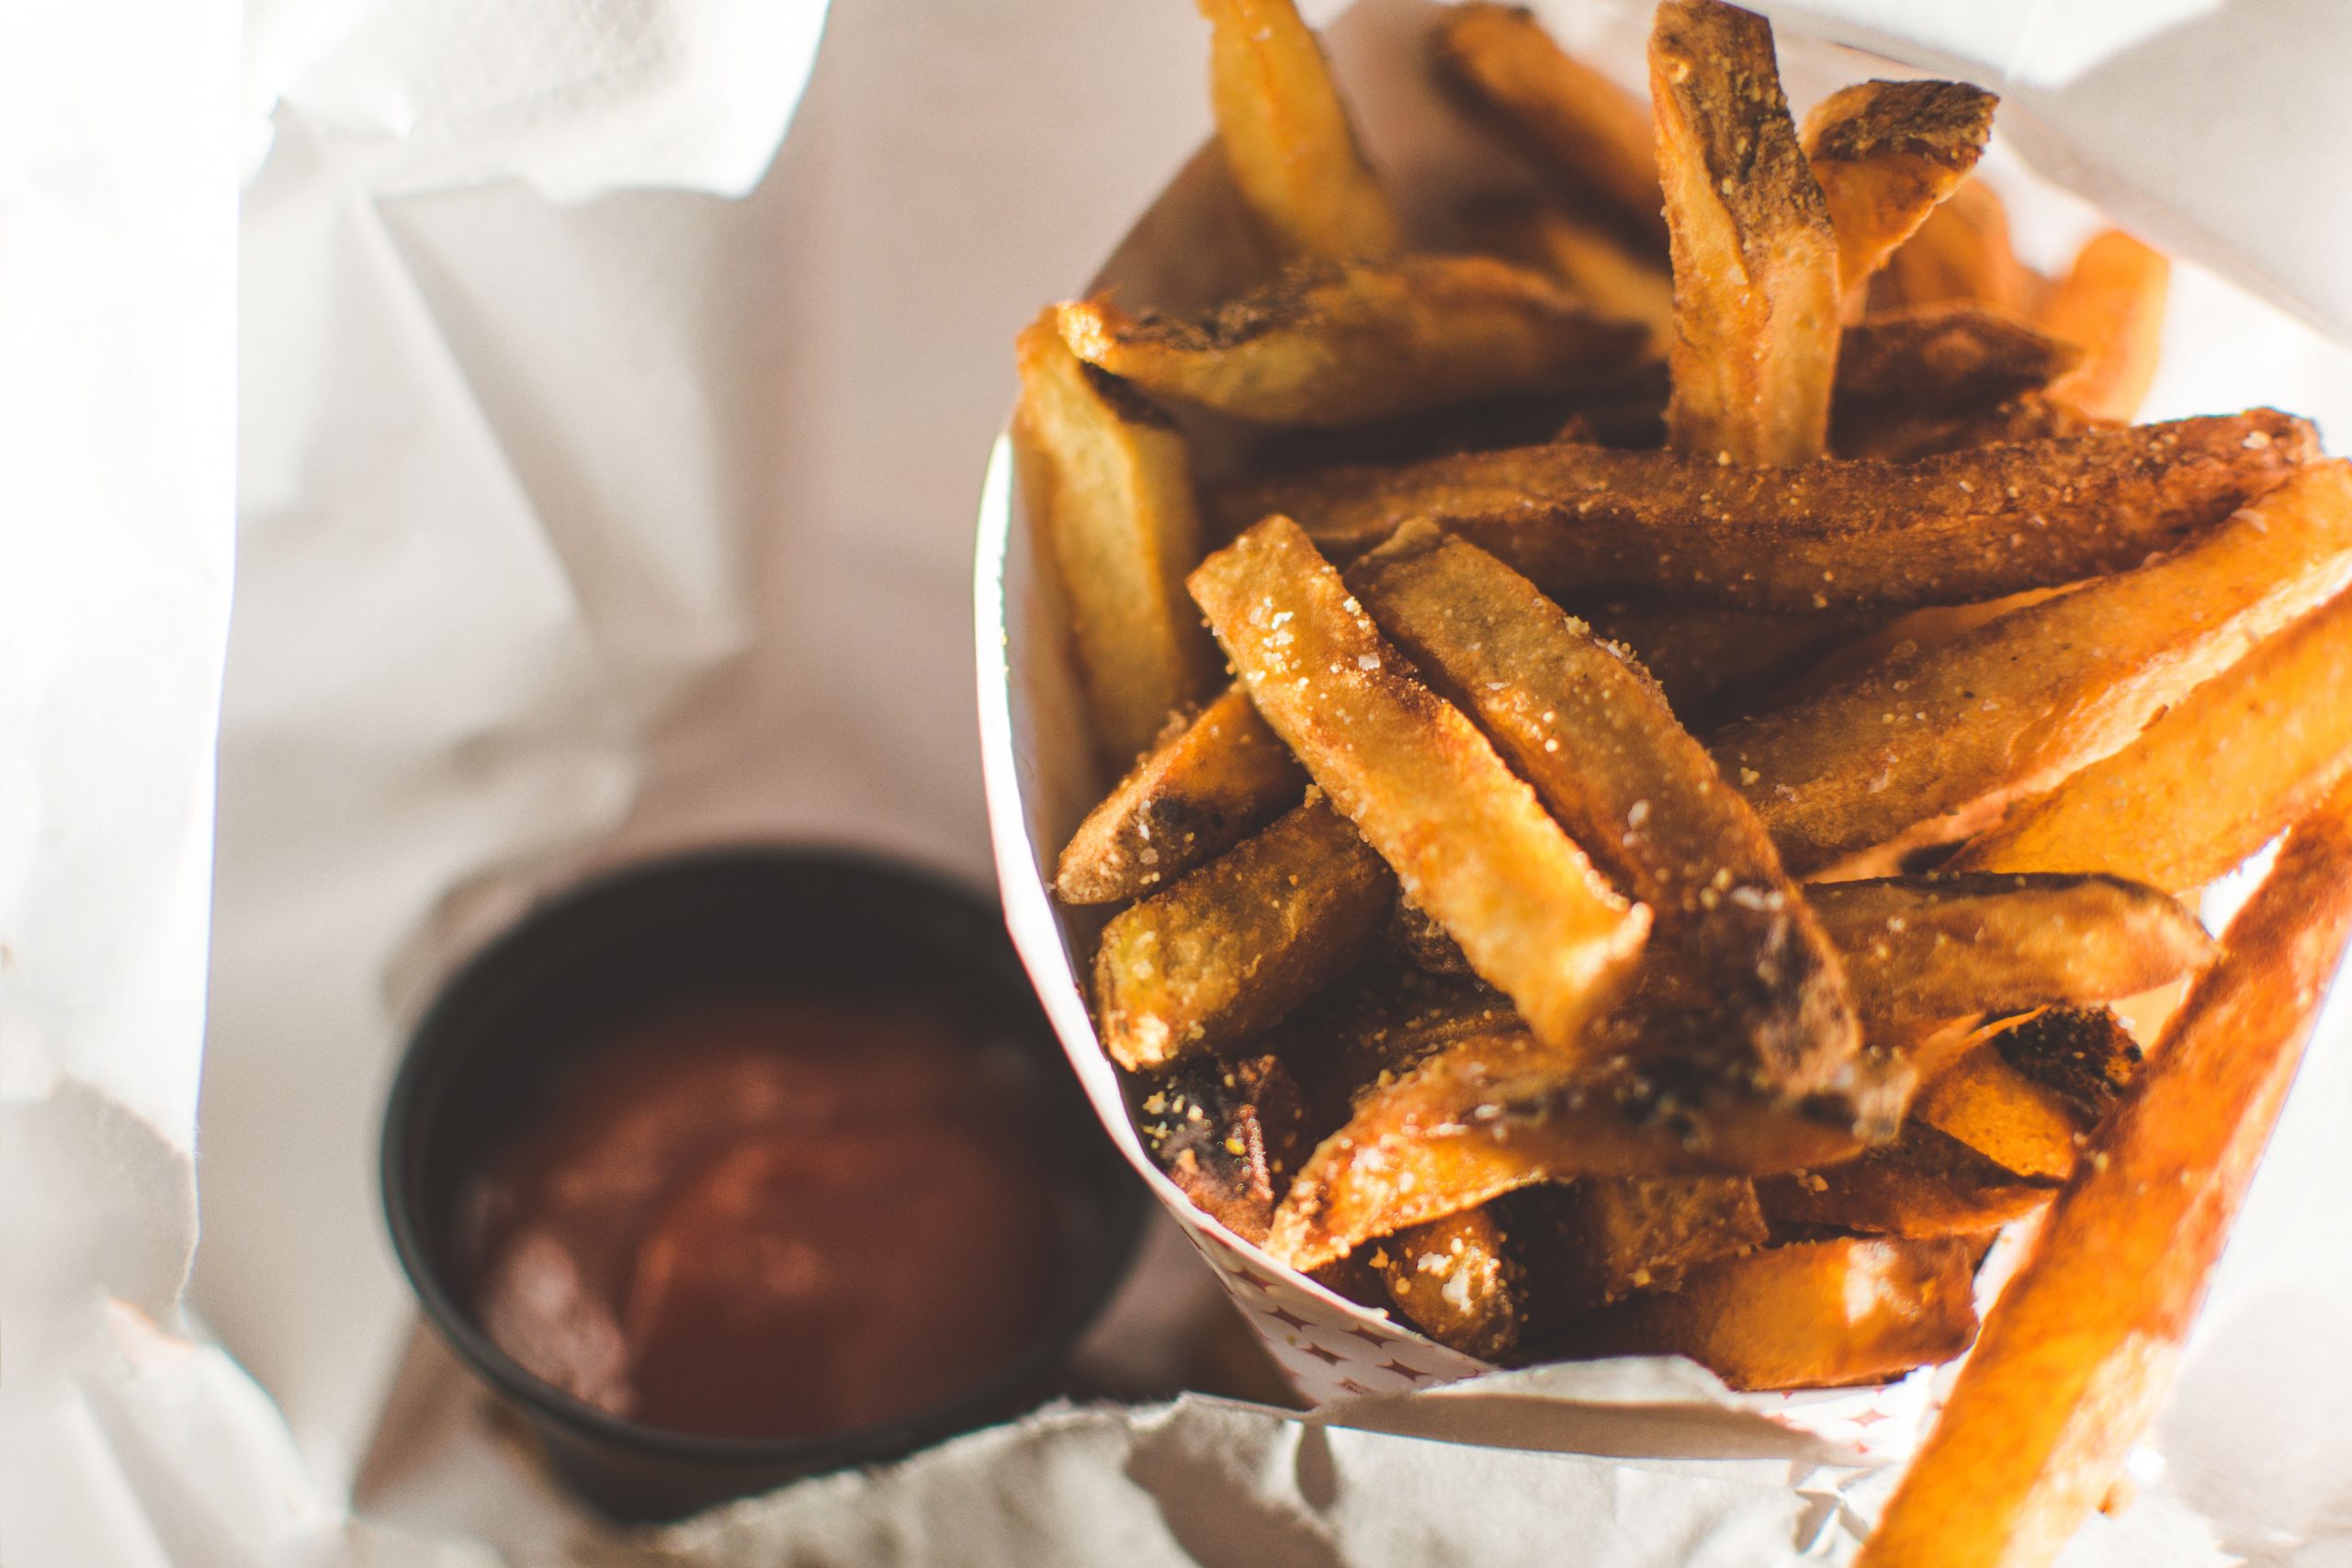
x: 767, y: 1217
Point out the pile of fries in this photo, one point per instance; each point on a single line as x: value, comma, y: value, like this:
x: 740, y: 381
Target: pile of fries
x: 1722, y: 711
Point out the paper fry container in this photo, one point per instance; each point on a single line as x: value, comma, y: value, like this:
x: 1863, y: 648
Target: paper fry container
x: 1190, y: 249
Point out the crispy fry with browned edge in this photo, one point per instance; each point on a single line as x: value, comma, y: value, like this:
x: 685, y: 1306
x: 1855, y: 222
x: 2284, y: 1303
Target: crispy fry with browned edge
x: 1591, y: 263
x: 2220, y: 774
x: 1711, y: 662
x: 1754, y: 262
x: 1589, y: 524
x: 1111, y: 488
x: 1926, y: 1183
x: 1961, y: 252
x: 2078, y: 1351
x: 1922, y: 949
x: 1213, y: 779
x: 1933, y: 745
x: 1813, y: 1314
x: 1909, y: 437
x: 1947, y: 358
x: 1287, y: 137
x: 1231, y: 1134
x: 1239, y: 943
x: 1590, y: 1243
x: 1468, y: 840
x: 1588, y: 129
x: 2026, y: 1092
x: 1886, y: 153
x: 1338, y: 344
x: 1595, y: 736
x: 2111, y: 304
x: 1487, y: 1114
x: 1457, y: 1282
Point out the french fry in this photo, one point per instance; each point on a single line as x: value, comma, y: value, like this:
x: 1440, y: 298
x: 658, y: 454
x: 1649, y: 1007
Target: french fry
x: 1234, y: 946
x: 2078, y: 1351
x: 1919, y: 950
x: 1710, y: 663
x: 1612, y: 279
x: 1469, y: 842
x: 1365, y: 1037
x: 1231, y: 1134
x: 2111, y: 304
x: 1932, y: 746
x: 1961, y: 252
x: 1907, y: 436
x: 2217, y: 776
x: 1597, y: 1241
x: 1455, y: 1279
x: 1589, y: 131
x: 1213, y: 779
x: 1287, y: 137
x: 1112, y: 485
x: 2026, y: 1093
x: 1597, y: 739
x: 1886, y: 153
x: 1342, y: 344
x: 1490, y: 1113
x: 1812, y: 1315
x: 1924, y: 1184
x: 1589, y: 524
x: 1754, y: 262
x: 1948, y: 359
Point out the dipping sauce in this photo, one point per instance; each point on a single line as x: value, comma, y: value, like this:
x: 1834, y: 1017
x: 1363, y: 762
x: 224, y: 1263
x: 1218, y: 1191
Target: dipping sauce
x: 761, y: 1216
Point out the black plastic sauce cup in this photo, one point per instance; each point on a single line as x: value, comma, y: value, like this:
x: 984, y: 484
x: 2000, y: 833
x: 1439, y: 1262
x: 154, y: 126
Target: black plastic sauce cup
x: 780, y: 920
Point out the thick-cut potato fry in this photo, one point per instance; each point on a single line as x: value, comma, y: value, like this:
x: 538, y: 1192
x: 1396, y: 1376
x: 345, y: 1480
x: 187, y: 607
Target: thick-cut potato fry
x: 1934, y: 745
x: 1813, y: 1314
x: 2025, y: 1094
x: 1469, y: 842
x: 1587, y: 523
x: 2220, y: 774
x: 1457, y: 1282
x: 1923, y: 948
x: 2111, y: 304
x: 2079, y: 1348
x: 1586, y: 128
x: 1948, y: 359
x: 1213, y: 779
x: 1962, y: 252
x: 1591, y: 263
x: 1365, y: 1036
x: 1231, y: 1134
x: 1490, y: 1113
x: 1885, y: 154
x: 1924, y: 1184
x: 1590, y: 1243
x: 1334, y: 344
x: 1711, y: 662
x: 1754, y: 261
x: 1596, y: 738
x: 1239, y: 943
x: 1112, y: 488
x: 1287, y: 137
x: 1908, y: 435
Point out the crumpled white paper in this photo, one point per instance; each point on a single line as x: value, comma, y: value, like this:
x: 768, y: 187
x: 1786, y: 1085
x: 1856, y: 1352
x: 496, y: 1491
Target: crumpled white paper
x: 549, y: 496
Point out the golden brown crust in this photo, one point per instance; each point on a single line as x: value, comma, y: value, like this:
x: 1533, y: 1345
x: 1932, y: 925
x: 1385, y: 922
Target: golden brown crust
x: 1999, y: 1095
x: 1590, y: 1242
x: 1469, y: 842
x: 1336, y: 344
x: 1935, y: 744
x: 1925, y: 1184
x: 1231, y: 1134
x: 1455, y: 1280
x: 1886, y: 153
x: 1952, y: 357
x: 1590, y: 522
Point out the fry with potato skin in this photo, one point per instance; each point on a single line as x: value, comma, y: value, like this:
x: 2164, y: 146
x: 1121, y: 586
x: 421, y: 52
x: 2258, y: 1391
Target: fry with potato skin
x: 1213, y: 779
x: 1755, y: 303
x: 1961, y: 252
x: 1932, y: 745
x: 1595, y: 736
x: 1948, y: 358
x: 1924, y: 1184
x: 2217, y: 776
x: 1469, y: 842
x: 1335, y: 344
x: 1239, y: 943
x: 1598, y: 1241
x: 1110, y: 485
x: 1812, y: 1315
x: 1886, y: 153
x: 1589, y: 524
x: 1287, y: 137
x: 2025, y: 1091
x: 1921, y: 949
x: 2078, y: 1351
x: 1586, y: 129
x: 1455, y: 1280
x: 2111, y: 304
